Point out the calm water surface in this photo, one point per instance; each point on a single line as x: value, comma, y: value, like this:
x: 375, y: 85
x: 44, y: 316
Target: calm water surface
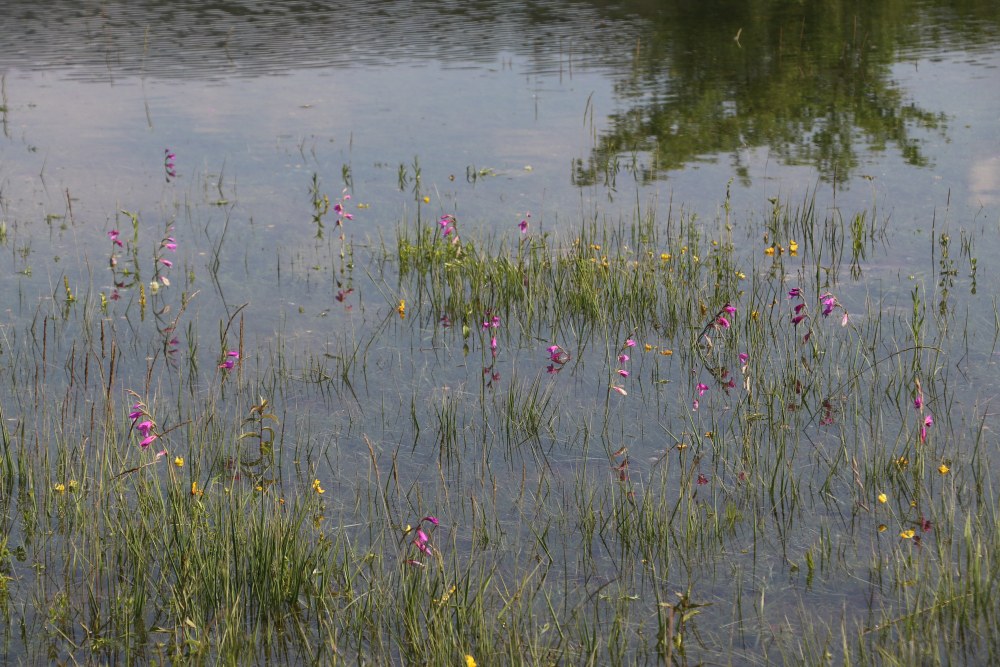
x: 566, y: 110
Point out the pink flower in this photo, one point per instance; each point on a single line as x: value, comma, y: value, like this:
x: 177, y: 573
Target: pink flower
x: 493, y: 343
x: 138, y: 410
x: 145, y: 428
x: 694, y: 405
x: 620, y: 390
x: 148, y: 440
x: 798, y: 318
x: 230, y: 362
x: 431, y: 519
x: 622, y: 358
x: 523, y: 226
x: 558, y: 355
x: 744, y: 358
x: 623, y: 372
x: 113, y: 235
x: 928, y: 422
x: 730, y: 309
x: 722, y: 322
x: 828, y: 303
x: 702, y: 388
x: 166, y: 262
x: 795, y: 293
x: 629, y: 342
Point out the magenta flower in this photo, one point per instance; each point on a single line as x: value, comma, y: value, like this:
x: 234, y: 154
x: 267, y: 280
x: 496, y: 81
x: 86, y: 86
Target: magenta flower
x: 918, y: 401
x: 795, y: 293
x: 148, y: 440
x: 558, y: 355
x: 232, y: 357
x: 113, y: 235
x: 138, y: 410
x: 523, y: 226
x: 622, y: 358
x: 828, y: 303
x: 744, y: 358
x: 928, y: 422
x: 629, y: 342
x: 620, y: 390
x: 493, y: 343
x: 166, y: 262
x: 722, y: 322
x: 694, y: 405
x: 702, y: 388
x: 431, y: 519
x: 170, y: 245
x: 623, y: 372
x: 730, y: 309
x: 144, y: 428
x: 798, y: 318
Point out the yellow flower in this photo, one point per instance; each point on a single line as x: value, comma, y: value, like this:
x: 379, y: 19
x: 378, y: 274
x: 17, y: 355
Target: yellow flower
x: 793, y: 247
x: 179, y: 461
x: 665, y: 256
x: 470, y: 661
x: 882, y: 528
x: 882, y: 498
x: 195, y: 491
x: 741, y: 275
x: 648, y: 347
x: 401, y: 308
x: 666, y: 353
x: 769, y: 251
x: 427, y: 200
x: 71, y: 485
x: 902, y: 462
x: 908, y: 534
x: 943, y: 469
x: 754, y: 315
x: 59, y: 488
x: 317, y: 488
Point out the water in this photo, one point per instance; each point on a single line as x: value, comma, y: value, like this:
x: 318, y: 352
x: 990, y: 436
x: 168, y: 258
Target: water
x: 487, y: 111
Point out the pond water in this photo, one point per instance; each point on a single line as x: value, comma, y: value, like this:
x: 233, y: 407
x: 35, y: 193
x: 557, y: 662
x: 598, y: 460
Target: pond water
x: 224, y: 124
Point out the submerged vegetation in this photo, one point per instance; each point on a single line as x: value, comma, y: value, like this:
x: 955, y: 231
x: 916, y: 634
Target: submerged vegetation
x: 657, y: 441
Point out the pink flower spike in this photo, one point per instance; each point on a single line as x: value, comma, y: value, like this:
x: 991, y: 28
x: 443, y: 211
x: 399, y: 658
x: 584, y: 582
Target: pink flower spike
x: 620, y: 390
x: 702, y: 388
x: 623, y: 372
x: 148, y: 440
x: 629, y: 342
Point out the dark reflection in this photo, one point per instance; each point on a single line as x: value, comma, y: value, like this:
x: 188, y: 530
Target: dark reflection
x: 811, y: 81
x: 196, y: 38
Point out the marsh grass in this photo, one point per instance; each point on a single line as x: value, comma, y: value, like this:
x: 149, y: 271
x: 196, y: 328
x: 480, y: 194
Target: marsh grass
x: 664, y: 488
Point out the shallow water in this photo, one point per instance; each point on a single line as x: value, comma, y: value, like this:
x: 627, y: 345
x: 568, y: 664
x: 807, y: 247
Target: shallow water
x: 570, y: 111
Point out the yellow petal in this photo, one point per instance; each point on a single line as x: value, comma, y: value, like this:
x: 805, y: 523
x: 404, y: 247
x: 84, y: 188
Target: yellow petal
x: 907, y: 534
x: 882, y: 498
